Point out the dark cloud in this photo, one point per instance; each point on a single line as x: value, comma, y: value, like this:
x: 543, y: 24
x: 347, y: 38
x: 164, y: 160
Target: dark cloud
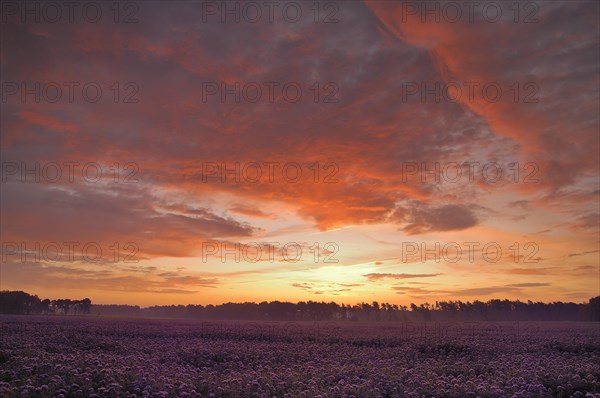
x: 79, y: 213
x: 418, y: 218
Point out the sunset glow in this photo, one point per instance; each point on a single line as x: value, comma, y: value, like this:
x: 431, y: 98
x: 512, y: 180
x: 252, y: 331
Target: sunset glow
x: 365, y: 151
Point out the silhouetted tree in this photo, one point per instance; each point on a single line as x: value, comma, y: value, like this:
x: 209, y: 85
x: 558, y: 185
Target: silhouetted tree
x: 594, y: 309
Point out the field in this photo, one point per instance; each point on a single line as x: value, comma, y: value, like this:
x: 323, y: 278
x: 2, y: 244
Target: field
x: 60, y: 356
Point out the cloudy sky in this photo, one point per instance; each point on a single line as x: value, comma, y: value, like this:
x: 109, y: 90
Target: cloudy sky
x: 163, y: 152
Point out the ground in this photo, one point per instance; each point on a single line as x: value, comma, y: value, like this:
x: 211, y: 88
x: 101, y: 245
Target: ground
x: 87, y: 356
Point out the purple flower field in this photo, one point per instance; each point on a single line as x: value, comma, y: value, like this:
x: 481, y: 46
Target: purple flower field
x: 102, y: 357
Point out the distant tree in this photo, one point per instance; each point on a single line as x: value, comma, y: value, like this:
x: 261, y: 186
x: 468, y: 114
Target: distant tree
x: 86, y: 305
x: 18, y: 302
x: 594, y: 309
x: 376, y: 310
x: 45, y: 306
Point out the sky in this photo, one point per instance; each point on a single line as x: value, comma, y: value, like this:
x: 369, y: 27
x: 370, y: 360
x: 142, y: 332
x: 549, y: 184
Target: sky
x: 205, y: 152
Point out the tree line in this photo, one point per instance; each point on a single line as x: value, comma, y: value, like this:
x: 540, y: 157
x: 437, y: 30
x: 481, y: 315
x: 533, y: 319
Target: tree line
x: 492, y: 310
x: 18, y: 302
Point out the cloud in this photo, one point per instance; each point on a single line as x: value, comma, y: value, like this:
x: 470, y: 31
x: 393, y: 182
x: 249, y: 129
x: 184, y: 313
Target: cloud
x: 114, y: 279
x: 413, y: 290
x: 373, y: 277
x: 522, y: 204
x: 418, y: 218
x: 362, y: 142
x: 583, y: 253
x: 532, y: 284
x: 484, y: 291
x: 152, y: 131
x: 103, y: 215
x: 49, y: 122
x: 469, y: 292
x: 303, y: 286
x: 530, y: 271
x: 334, y: 289
x: 462, y: 52
x: 590, y: 221
x: 251, y: 212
